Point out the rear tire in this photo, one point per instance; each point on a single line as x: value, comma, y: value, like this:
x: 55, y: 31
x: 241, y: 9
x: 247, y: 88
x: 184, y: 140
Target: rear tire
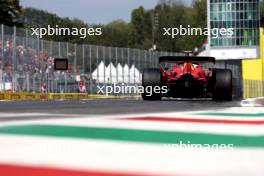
x: 151, y: 77
x: 223, y: 85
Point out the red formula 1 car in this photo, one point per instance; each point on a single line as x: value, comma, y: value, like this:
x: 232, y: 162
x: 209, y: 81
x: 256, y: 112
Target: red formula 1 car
x: 186, y: 77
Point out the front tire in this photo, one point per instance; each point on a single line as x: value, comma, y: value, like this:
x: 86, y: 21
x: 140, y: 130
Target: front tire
x: 151, y: 77
x: 223, y: 85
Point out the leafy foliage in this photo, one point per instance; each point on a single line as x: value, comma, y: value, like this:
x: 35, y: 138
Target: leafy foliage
x: 262, y: 13
x: 9, y: 11
x: 144, y: 29
x: 139, y: 32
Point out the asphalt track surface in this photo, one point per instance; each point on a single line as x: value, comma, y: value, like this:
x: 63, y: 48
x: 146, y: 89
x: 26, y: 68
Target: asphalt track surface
x: 80, y: 138
x: 105, y: 107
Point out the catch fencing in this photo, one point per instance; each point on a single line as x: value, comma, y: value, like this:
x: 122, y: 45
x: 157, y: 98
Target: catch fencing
x: 26, y: 64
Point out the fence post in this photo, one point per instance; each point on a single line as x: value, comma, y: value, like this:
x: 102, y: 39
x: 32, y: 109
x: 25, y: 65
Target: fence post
x: 54, y: 78
x: 41, y: 43
x: 75, y: 59
x: 2, y: 57
x: 83, y: 53
x: 14, y: 59
x: 28, y: 81
x: 59, y: 43
x: 26, y: 37
x: 90, y: 68
x: 110, y: 64
x: 123, y: 73
x: 149, y: 58
x: 139, y: 55
x: 2, y: 40
x: 104, y: 62
x: 82, y: 67
x: 97, y: 65
x: 134, y: 66
x: 66, y: 74
x: 128, y: 63
x: 145, y: 60
x: 134, y: 63
x: 39, y: 65
x: 116, y: 65
x: 153, y: 59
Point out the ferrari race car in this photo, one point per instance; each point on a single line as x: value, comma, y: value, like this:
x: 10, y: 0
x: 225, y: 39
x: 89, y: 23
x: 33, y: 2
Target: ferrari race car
x: 186, y: 77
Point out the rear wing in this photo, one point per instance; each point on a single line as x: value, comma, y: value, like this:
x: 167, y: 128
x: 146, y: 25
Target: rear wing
x: 182, y: 59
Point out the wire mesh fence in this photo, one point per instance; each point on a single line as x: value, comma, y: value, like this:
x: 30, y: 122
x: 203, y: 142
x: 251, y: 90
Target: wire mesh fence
x: 26, y: 64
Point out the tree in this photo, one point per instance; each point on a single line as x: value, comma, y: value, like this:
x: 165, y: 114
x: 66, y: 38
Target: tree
x: 116, y: 33
x: 138, y: 32
x: 262, y: 13
x: 173, y: 14
x: 200, y: 12
x: 140, y: 28
x: 199, y: 19
x: 9, y: 11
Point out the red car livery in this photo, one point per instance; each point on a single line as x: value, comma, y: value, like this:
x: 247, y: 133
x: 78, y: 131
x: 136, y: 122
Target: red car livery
x: 186, y: 77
